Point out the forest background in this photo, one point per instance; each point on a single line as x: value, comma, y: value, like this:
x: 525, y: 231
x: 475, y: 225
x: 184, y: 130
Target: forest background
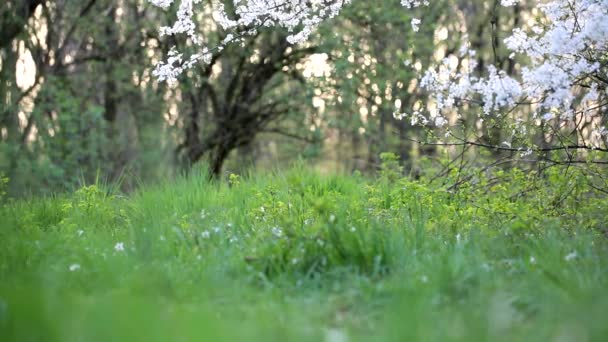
x: 79, y: 103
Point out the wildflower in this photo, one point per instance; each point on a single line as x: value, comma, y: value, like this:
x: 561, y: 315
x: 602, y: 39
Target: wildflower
x: 80, y: 232
x: 203, y: 214
x: 233, y: 239
x: 216, y: 230
x: 74, y: 267
x: 526, y: 153
x: 262, y: 209
x: 276, y: 231
x: 332, y: 218
x: 353, y: 229
x: 571, y: 256
x: 424, y: 279
x: 415, y: 24
x: 335, y: 335
x: 119, y: 247
x: 532, y: 260
x: 205, y: 234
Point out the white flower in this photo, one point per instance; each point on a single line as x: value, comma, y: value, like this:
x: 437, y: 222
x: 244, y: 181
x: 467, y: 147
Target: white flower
x: 276, y: 231
x: 80, y: 232
x: 532, y: 260
x: 119, y: 247
x: 508, y: 3
x: 424, y: 279
x: 571, y: 256
x: 526, y: 153
x: 415, y: 24
x: 335, y: 335
x: 548, y: 116
x: 74, y: 267
x: 205, y: 234
x: 353, y: 229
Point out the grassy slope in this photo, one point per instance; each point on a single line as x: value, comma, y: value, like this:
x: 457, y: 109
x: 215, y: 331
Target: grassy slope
x: 297, y: 256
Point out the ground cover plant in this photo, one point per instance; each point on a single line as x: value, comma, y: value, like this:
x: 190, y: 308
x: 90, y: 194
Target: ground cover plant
x: 295, y: 255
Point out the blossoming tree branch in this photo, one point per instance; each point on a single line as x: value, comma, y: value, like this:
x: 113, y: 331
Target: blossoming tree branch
x: 560, y: 88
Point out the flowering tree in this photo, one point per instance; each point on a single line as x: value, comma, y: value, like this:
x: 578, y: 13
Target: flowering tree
x: 556, y: 100
x: 563, y: 85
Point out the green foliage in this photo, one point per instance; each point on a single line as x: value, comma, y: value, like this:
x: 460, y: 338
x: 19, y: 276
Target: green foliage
x: 71, y: 144
x: 390, y: 169
x: 3, y: 186
x: 92, y: 209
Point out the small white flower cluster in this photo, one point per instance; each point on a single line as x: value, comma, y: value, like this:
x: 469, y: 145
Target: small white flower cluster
x: 415, y: 24
x: 414, y: 3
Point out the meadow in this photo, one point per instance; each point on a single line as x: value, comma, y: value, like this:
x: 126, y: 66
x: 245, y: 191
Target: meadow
x: 299, y: 256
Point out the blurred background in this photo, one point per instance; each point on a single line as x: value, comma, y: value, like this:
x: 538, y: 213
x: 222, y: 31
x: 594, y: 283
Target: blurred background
x: 78, y: 102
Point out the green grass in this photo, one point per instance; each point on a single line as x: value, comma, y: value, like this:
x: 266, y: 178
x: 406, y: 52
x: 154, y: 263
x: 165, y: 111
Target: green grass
x: 299, y: 256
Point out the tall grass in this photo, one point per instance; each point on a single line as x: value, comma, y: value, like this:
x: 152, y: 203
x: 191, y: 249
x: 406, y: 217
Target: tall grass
x: 298, y: 256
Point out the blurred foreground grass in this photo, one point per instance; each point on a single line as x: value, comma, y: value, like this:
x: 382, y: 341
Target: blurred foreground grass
x: 298, y: 256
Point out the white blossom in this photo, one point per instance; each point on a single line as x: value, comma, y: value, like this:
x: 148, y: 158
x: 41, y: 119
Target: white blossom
x: 277, y: 232
x: 562, y: 77
x: 571, y: 256
x: 415, y: 24
x: 119, y: 247
x: 299, y: 17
